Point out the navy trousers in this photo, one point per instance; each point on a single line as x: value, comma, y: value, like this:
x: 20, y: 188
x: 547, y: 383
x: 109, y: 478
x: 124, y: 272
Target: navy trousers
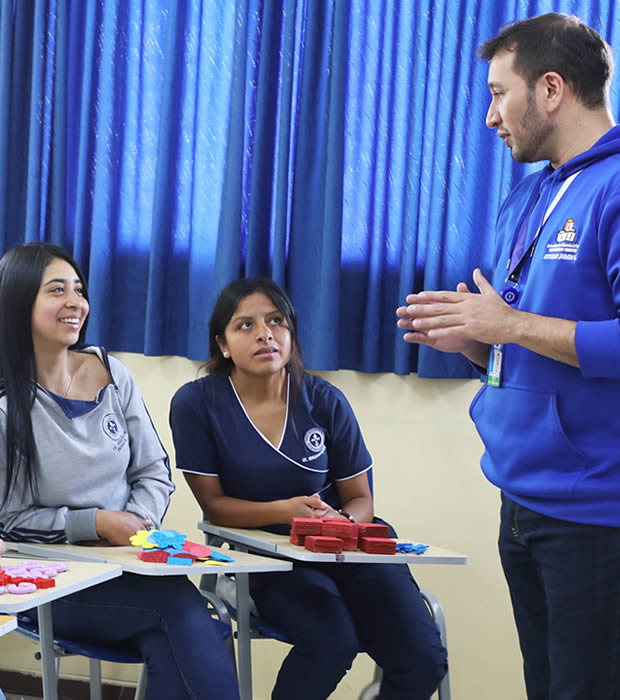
x: 564, y: 581
x: 332, y: 611
x: 168, y: 620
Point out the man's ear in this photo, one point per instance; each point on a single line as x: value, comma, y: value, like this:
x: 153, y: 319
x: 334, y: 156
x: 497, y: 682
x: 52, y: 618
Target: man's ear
x: 553, y: 89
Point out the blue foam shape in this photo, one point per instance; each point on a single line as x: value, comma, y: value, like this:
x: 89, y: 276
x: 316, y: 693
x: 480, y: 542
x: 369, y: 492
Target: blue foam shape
x: 218, y: 556
x: 167, y: 538
x: 179, y: 561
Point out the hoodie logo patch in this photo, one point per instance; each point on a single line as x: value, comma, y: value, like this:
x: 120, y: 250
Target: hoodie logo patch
x: 568, y: 233
x: 564, y: 246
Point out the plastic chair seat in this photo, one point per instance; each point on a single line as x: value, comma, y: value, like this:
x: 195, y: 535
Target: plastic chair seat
x: 121, y: 653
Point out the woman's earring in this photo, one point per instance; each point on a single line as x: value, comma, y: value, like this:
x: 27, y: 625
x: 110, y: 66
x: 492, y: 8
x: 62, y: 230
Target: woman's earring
x: 225, y: 353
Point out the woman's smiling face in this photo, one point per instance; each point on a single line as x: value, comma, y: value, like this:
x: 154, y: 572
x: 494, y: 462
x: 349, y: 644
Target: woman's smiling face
x: 60, y: 309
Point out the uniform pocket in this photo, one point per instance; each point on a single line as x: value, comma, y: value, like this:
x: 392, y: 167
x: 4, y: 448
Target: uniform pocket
x: 527, y: 449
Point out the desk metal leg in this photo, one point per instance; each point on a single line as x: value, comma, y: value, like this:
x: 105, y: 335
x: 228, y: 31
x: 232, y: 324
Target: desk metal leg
x: 243, y: 636
x: 48, y: 664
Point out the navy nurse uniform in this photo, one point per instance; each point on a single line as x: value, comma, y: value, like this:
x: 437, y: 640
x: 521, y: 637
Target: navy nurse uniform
x: 329, y: 611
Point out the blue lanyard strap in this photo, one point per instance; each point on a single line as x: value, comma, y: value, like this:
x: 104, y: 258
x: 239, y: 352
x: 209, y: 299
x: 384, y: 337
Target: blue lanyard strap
x: 514, y: 275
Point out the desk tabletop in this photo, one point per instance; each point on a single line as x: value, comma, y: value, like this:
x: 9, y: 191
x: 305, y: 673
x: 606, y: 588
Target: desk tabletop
x: 79, y: 576
x: 127, y: 559
x: 279, y: 545
x: 7, y: 624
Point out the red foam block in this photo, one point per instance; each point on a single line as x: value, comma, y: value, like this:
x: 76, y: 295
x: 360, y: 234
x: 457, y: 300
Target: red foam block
x: 306, y: 526
x: 378, y: 545
x: 317, y: 543
x: 154, y: 555
x: 336, y: 527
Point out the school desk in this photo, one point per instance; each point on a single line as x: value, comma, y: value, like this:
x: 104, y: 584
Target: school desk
x: 127, y: 559
x: 279, y: 545
x: 80, y: 575
x: 7, y: 624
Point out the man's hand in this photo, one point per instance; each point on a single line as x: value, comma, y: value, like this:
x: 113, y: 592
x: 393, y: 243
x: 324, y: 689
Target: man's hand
x: 451, y: 321
x: 469, y: 323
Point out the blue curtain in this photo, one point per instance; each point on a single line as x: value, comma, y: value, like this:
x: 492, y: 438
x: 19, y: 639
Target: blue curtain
x: 337, y: 146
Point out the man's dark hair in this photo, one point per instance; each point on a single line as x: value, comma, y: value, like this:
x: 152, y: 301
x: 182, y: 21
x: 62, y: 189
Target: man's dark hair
x: 562, y: 44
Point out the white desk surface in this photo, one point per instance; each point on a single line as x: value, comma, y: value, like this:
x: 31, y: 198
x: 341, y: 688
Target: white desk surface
x: 127, y: 559
x: 79, y: 576
x: 7, y: 624
x: 279, y: 545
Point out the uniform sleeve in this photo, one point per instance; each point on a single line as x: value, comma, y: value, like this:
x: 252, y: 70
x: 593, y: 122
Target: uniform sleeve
x: 148, y: 473
x: 21, y: 520
x: 347, y: 451
x: 598, y: 342
x: 191, y: 432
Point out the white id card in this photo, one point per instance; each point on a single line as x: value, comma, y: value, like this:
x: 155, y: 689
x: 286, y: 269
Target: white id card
x: 494, y: 371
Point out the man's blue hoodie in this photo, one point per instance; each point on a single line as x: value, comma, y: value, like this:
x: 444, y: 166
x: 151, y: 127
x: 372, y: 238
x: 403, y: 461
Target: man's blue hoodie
x: 552, y: 431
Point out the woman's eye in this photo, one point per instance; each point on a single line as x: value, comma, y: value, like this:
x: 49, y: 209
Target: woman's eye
x: 245, y: 325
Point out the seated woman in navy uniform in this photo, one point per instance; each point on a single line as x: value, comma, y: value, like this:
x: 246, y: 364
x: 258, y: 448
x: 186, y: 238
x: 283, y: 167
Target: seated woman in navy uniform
x: 260, y: 441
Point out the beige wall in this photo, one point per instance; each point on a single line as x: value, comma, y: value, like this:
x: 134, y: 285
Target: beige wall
x: 427, y: 483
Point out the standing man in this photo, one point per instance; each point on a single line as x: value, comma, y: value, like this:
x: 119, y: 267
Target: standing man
x: 547, y: 333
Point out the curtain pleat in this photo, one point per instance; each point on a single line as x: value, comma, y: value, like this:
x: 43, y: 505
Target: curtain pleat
x: 337, y: 147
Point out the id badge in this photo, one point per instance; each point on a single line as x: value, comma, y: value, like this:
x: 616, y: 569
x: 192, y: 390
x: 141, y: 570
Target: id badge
x: 494, y: 371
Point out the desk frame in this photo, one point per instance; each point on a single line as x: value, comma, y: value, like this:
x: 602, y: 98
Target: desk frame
x: 42, y: 599
x: 279, y: 546
x: 127, y: 559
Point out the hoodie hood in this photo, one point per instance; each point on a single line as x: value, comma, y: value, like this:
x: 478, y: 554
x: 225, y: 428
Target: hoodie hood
x: 607, y: 145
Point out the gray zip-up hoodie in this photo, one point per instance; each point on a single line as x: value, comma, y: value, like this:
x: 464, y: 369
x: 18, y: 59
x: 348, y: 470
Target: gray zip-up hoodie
x: 103, y: 454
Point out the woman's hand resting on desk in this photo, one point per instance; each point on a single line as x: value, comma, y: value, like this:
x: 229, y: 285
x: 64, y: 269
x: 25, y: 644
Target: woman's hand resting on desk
x: 118, y: 526
x: 304, y: 507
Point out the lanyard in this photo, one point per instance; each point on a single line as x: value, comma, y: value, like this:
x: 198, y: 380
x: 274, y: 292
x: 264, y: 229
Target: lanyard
x: 510, y: 294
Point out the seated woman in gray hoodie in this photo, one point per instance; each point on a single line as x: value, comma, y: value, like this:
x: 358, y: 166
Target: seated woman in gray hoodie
x: 80, y: 461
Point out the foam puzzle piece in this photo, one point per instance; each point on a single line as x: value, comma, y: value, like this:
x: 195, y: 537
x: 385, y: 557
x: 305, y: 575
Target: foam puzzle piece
x: 44, y: 582
x: 167, y: 538
x: 218, y: 556
x: 140, y: 539
x: 200, y: 550
x: 153, y: 555
x: 182, y: 561
x: 21, y: 588
x: 407, y: 547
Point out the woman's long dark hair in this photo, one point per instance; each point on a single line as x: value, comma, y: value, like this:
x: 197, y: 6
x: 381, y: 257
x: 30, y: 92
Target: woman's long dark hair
x: 223, y: 311
x: 21, y: 270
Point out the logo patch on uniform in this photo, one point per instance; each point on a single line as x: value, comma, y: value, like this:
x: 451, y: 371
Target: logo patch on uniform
x: 314, y: 439
x: 111, y: 427
x: 564, y: 247
x: 568, y: 233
